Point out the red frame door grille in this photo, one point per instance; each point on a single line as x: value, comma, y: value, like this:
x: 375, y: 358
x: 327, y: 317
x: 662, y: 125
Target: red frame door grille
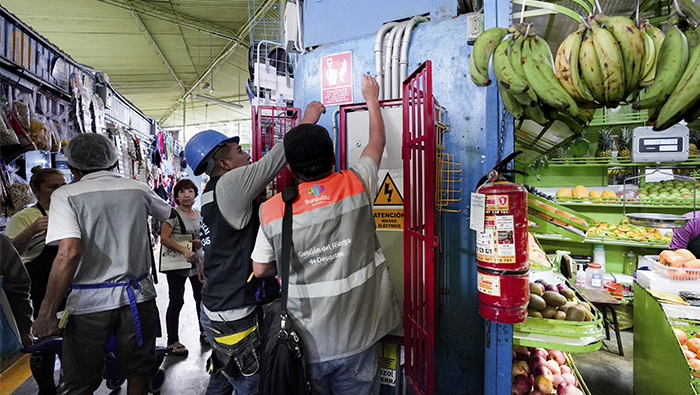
x: 420, y: 230
x: 270, y: 124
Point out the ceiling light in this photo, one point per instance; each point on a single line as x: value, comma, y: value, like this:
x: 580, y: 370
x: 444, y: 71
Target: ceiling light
x: 217, y: 101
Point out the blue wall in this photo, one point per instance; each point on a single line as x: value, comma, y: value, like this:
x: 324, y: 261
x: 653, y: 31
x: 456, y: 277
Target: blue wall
x: 473, y: 114
x: 327, y: 21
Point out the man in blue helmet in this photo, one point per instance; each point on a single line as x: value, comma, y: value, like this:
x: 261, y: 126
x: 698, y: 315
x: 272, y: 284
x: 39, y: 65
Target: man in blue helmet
x: 228, y: 230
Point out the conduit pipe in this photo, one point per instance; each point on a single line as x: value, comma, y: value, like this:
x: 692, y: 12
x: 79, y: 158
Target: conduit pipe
x: 334, y: 134
x: 404, y: 45
x: 378, y: 44
x: 387, y: 59
x: 395, y: 81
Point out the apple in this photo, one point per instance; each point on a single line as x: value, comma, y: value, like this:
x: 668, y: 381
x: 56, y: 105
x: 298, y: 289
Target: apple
x: 539, y: 351
x: 570, y: 378
x: 553, y: 366
x: 544, y: 384
x: 568, y: 389
x: 536, y: 361
x: 557, y: 356
x: 544, y: 371
x: 558, y: 379
x: 521, y: 385
x: 518, y: 369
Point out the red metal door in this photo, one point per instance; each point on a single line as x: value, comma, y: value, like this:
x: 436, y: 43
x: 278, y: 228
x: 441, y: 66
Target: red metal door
x: 270, y: 124
x: 420, y: 232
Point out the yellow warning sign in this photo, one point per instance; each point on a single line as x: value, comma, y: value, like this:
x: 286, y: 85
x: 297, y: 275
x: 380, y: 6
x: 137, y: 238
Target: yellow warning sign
x: 388, y: 194
x: 388, y: 218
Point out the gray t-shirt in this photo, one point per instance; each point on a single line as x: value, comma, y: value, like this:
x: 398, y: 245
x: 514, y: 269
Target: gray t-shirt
x: 191, y: 227
x: 237, y: 188
x: 109, y: 214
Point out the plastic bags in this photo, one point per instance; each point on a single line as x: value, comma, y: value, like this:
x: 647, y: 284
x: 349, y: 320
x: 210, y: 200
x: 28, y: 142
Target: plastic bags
x: 7, y: 135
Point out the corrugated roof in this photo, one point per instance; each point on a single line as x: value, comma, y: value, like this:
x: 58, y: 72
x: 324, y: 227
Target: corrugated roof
x: 155, y: 51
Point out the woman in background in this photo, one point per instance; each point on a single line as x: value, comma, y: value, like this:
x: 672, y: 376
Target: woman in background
x: 184, y: 194
x: 27, y: 229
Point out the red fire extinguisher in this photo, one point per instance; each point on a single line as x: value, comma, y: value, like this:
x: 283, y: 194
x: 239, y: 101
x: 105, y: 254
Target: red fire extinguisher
x: 502, y: 249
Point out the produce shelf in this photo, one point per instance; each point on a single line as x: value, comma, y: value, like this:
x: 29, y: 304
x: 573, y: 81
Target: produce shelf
x: 616, y: 161
x: 659, y: 364
x: 586, y: 336
x: 658, y: 203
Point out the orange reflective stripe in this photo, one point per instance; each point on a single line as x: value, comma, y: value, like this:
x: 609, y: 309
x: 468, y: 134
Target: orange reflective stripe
x: 315, y: 194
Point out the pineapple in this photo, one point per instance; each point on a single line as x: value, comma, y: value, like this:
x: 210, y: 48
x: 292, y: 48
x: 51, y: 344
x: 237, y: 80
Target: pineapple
x: 559, y: 152
x: 604, y: 149
x: 625, y: 142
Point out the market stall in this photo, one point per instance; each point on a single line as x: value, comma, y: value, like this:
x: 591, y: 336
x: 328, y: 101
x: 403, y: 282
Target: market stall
x: 48, y: 98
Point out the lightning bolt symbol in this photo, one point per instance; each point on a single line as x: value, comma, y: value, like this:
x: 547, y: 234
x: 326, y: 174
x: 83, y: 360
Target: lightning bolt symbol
x: 388, y: 191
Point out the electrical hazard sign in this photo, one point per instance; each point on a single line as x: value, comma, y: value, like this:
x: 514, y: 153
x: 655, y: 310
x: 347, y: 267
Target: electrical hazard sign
x: 388, y: 194
x: 388, y: 218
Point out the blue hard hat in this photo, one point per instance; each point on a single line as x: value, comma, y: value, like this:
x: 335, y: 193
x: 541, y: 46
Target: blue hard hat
x: 201, y: 145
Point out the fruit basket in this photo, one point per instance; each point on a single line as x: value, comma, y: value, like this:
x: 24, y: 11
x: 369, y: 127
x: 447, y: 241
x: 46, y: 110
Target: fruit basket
x: 571, y: 329
x: 673, y: 273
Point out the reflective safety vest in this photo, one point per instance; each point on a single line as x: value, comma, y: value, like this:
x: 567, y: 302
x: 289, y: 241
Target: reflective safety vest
x: 339, y: 290
x: 227, y: 262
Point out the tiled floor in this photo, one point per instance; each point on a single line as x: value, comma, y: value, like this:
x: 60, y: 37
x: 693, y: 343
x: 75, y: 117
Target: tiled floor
x: 604, y: 371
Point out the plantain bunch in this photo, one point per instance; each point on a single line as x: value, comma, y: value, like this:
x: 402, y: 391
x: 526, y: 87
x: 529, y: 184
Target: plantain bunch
x: 524, y: 68
x: 674, y: 94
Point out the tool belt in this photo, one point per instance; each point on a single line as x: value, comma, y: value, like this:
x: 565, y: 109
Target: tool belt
x: 236, y: 346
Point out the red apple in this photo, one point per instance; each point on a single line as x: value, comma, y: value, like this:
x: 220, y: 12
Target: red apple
x: 568, y: 389
x: 536, y: 361
x: 544, y: 384
x: 553, y: 366
x: 570, y: 378
x: 521, y: 385
x: 557, y: 356
x: 542, y: 370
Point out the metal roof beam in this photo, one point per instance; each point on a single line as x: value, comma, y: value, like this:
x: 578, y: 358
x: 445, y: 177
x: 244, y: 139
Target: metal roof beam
x: 184, y: 20
x: 151, y: 41
x: 224, y: 54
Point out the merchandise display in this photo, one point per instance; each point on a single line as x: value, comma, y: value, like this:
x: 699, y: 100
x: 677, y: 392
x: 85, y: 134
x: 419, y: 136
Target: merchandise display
x: 544, y: 370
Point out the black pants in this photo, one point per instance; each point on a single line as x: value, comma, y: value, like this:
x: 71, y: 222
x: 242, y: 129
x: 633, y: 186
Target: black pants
x: 176, y: 294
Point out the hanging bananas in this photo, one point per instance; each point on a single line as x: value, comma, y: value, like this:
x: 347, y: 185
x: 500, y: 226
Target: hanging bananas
x: 673, y: 59
x: 523, y: 67
x: 606, y: 61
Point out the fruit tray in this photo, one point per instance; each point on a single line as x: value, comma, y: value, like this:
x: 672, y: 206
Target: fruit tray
x: 561, y: 328
x: 691, y: 328
x: 556, y: 213
x: 673, y: 273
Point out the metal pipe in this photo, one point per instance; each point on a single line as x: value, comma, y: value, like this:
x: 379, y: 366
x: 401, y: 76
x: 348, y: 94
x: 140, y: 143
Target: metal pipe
x: 256, y: 81
x: 378, y: 44
x: 404, y: 45
x: 395, y: 81
x: 334, y: 134
x: 387, y: 61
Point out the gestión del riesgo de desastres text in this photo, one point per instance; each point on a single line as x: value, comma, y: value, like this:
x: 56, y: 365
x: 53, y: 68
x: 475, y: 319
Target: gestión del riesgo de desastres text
x: 328, y: 247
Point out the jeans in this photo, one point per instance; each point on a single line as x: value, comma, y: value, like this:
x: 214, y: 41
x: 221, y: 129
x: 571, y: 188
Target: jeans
x: 218, y: 384
x: 354, y: 375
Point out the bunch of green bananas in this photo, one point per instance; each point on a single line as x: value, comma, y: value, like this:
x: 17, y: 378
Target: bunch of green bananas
x: 523, y: 66
x: 674, y: 94
x: 607, y: 60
